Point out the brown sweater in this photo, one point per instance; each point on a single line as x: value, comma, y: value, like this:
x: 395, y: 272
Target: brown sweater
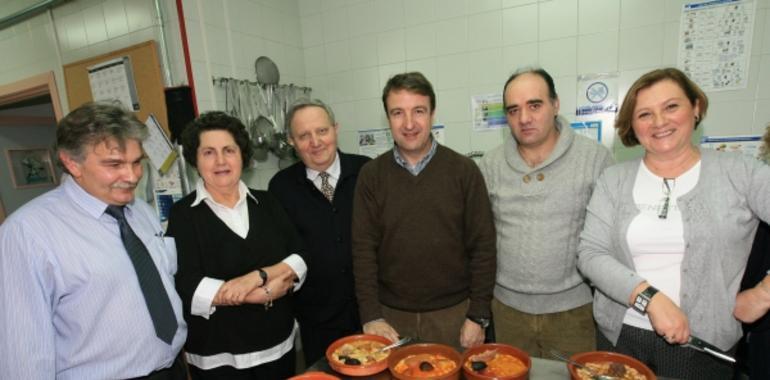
x: 425, y: 242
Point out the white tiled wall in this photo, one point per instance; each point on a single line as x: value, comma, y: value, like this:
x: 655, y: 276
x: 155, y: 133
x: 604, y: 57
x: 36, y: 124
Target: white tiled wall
x: 467, y: 47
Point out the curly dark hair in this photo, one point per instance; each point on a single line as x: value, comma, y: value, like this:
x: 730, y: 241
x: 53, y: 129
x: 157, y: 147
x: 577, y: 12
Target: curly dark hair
x: 215, y: 121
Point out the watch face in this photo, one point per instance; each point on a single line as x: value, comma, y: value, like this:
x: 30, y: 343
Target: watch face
x: 597, y: 92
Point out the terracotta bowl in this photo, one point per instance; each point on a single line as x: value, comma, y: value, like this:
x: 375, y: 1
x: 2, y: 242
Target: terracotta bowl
x: 503, y: 349
x: 315, y: 375
x: 357, y: 370
x: 604, y: 356
x: 425, y: 348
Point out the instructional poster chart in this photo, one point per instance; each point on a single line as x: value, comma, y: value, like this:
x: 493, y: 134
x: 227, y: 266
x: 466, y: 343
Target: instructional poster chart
x: 488, y: 112
x: 114, y: 80
x: 715, y: 43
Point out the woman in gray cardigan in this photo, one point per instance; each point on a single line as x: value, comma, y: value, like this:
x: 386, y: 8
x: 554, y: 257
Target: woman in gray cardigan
x: 667, y: 236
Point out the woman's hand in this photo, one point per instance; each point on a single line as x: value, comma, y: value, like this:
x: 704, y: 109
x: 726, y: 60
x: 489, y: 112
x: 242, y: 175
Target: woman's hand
x: 381, y: 328
x: 752, y: 304
x: 668, y: 320
x: 234, y: 292
x: 275, y: 288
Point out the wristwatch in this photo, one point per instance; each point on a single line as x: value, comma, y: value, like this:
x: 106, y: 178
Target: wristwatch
x: 263, y: 275
x: 643, y: 299
x: 483, y: 322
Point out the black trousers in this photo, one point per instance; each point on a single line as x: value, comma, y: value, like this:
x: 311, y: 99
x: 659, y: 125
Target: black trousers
x: 665, y: 359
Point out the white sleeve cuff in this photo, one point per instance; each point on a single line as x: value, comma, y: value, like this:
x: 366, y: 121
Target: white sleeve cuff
x: 299, y: 267
x: 204, y: 296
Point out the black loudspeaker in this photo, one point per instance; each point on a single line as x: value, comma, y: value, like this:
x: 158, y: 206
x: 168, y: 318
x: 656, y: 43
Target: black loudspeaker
x: 179, y: 105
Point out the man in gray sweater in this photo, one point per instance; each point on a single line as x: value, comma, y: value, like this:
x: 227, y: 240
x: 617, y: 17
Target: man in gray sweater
x: 539, y: 183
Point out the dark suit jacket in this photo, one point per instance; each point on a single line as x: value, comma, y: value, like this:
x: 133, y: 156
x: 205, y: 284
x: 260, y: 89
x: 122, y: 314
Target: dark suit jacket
x: 328, y: 294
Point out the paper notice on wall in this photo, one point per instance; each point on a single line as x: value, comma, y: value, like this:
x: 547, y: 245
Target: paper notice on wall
x: 597, y: 105
x: 488, y: 112
x: 746, y: 145
x: 590, y: 129
x: 715, y: 43
x: 114, y: 80
x: 373, y: 142
x: 157, y: 146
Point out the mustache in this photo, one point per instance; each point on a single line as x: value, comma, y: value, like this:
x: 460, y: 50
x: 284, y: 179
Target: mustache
x: 124, y: 185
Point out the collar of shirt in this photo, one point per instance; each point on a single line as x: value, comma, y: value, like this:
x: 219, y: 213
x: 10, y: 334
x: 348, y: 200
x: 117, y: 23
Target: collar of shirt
x: 334, y: 171
x: 237, y: 217
x: 417, y: 168
x: 92, y: 205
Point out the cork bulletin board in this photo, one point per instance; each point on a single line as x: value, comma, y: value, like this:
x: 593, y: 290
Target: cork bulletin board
x: 145, y: 67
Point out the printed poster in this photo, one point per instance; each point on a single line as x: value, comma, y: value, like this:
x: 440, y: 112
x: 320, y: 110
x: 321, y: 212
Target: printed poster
x: 488, y: 112
x: 114, y: 80
x: 746, y: 145
x: 597, y: 105
x: 715, y: 43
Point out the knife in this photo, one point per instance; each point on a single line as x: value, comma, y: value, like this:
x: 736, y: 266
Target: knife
x: 703, y: 346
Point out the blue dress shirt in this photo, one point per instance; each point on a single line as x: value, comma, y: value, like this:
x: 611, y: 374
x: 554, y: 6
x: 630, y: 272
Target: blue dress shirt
x: 72, y: 307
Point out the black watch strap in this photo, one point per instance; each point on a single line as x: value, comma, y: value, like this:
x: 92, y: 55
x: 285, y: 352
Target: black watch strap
x: 483, y: 322
x: 263, y: 275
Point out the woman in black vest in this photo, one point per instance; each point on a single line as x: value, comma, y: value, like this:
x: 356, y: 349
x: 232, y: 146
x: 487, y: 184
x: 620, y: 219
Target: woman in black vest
x: 240, y: 258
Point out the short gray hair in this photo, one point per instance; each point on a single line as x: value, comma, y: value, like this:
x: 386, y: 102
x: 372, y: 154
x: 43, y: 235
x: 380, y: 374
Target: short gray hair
x: 93, y: 123
x: 304, y: 103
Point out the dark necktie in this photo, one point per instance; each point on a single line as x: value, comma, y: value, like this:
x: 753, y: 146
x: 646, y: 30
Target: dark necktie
x: 326, y: 187
x: 155, y: 296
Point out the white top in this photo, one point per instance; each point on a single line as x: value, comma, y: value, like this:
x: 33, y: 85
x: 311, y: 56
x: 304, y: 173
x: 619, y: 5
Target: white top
x: 656, y: 244
x: 237, y: 219
x: 333, y: 170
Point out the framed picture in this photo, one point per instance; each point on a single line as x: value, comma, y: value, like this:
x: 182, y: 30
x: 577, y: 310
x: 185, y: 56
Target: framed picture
x: 30, y: 167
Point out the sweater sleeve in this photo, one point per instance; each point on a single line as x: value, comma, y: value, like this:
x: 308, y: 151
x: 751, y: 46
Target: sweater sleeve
x: 480, y: 243
x: 366, y: 239
x: 597, y: 255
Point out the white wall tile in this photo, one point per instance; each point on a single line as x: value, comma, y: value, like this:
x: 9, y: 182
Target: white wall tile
x: 190, y: 8
x: 420, y: 12
x: 670, y: 44
x: 387, y: 71
x: 453, y: 105
x: 272, y: 22
x: 763, y: 85
x: 309, y: 7
x: 636, y: 13
x: 765, y: 34
x: 320, y: 87
x: 451, y: 36
x: 76, y: 31
x: 312, y: 30
x: 566, y: 88
x: 559, y: 56
x: 485, y: 30
x: 486, y: 140
x: 761, y: 117
x: 517, y: 56
x: 597, y: 53
x: 478, y: 6
x: 558, y: 19
x: 520, y: 24
x: 485, y: 67
x: 214, y: 12
x: 729, y: 118
x: 390, y: 15
x: 390, y: 47
x: 140, y: 14
x: 369, y: 114
x: 195, y: 41
x: 446, y: 9
x: 217, y: 44
x: 426, y: 66
x: 517, y: 3
x: 337, y: 57
x: 296, y: 64
x: 420, y: 41
x: 362, y: 18
x: 363, y: 51
x: 457, y: 135
x: 452, y: 71
x: 598, y: 16
x: 367, y: 84
x: 331, y: 4
x: 673, y: 9
x: 96, y: 30
x: 335, y: 25
x: 760, y: 25
x: 340, y: 87
x: 315, y: 61
x: 641, y: 47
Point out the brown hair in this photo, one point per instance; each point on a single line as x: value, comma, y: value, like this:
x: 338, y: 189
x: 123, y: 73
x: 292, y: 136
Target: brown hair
x: 623, y: 123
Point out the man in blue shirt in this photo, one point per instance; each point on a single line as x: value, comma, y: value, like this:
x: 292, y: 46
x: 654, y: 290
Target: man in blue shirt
x: 76, y: 304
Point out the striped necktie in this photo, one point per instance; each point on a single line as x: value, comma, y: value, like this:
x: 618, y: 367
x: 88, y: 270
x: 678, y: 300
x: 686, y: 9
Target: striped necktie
x: 155, y: 296
x: 326, y: 187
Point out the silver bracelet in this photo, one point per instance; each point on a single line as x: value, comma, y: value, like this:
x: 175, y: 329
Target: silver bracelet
x: 269, y: 302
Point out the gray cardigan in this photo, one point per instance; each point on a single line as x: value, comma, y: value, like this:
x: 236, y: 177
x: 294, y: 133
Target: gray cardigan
x: 539, y: 213
x: 720, y: 220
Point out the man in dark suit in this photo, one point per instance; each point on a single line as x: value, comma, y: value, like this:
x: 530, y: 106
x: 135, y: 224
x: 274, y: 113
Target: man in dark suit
x: 317, y: 193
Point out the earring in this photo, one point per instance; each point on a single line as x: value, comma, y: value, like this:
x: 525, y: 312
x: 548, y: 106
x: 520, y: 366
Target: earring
x: 697, y: 118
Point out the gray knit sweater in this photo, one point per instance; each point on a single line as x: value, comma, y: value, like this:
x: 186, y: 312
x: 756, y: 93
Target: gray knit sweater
x: 539, y: 213
x: 720, y: 220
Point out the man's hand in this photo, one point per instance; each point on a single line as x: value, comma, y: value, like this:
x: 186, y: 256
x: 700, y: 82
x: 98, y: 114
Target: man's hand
x: 471, y: 334
x: 381, y: 328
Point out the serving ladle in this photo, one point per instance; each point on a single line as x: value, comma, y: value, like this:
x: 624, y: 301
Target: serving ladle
x: 594, y: 375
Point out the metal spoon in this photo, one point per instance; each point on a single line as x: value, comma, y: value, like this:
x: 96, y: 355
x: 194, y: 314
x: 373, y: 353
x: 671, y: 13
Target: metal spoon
x: 398, y: 343
x: 593, y: 373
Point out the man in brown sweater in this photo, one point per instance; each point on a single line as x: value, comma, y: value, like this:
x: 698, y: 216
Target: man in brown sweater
x: 423, y: 236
